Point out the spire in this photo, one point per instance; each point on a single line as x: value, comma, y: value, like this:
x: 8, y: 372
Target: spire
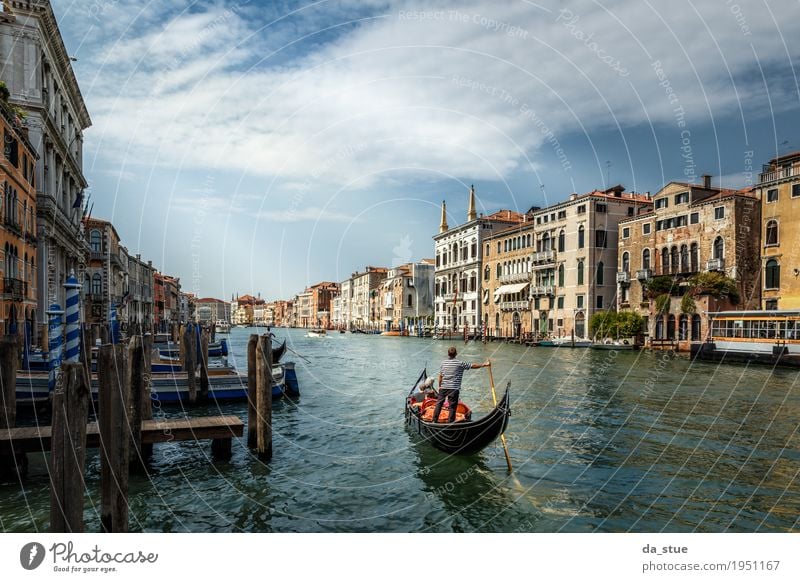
x: 443, y: 224
x: 471, y: 214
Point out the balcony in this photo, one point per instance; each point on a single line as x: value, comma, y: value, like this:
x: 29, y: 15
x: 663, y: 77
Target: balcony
x: 16, y: 288
x: 644, y: 274
x: 96, y: 256
x: 544, y: 257
x: 775, y: 174
x: 715, y: 265
x: 447, y: 296
x: 12, y: 225
x: 543, y: 291
x: 515, y: 277
x: 623, y: 277
x: 514, y: 305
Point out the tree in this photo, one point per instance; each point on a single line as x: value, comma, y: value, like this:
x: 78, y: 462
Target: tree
x: 663, y: 284
x: 615, y: 325
x: 715, y: 284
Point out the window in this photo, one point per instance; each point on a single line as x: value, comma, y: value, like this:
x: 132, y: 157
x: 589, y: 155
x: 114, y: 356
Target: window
x: 600, y: 276
x: 626, y: 232
x: 498, y: 247
x: 579, y: 299
x: 560, y: 305
x: 562, y: 214
x: 646, y: 228
x: 581, y: 237
x: 683, y: 328
x: 580, y: 272
x: 662, y: 203
x: 772, y: 274
x: 795, y: 190
x: 671, y: 327
x: 561, y: 241
x: 499, y: 270
x: 474, y: 249
x: 561, y: 275
x: 771, y: 304
x: 682, y: 198
x: 674, y: 264
x: 646, y: 259
x: 626, y: 262
x: 581, y: 209
x: 772, y: 233
x: 600, y: 238
x: 665, y: 261
x: 694, y: 218
x: 538, y: 220
x: 684, y: 259
x: 410, y: 300
x: 660, y: 225
x: 599, y: 302
x: 695, y: 328
x: 487, y: 250
x: 600, y: 207
x: 97, y: 284
x: 96, y: 241
x: 11, y: 149
x: 719, y: 213
x: 694, y: 257
x: 487, y: 273
x: 719, y: 248
x: 772, y: 195
x: 681, y: 220
x: 630, y: 211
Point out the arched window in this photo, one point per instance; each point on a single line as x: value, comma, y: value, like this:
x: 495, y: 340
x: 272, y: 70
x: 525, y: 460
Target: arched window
x: 660, y: 328
x: 671, y: 327
x: 96, y: 241
x: 561, y: 275
x: 599, y: 276
x: 665, y: 261
x: 581, y: 237
x: 772, y: 233
x: 683, y: 328
x: 487, y: 273
x: 499, y: 270
x: 719, y: 248
x: 97, y: 284
x: 545, y: 242
x: 562, y: 239
x: 646, y: 259
x: 695, y: 257
x: 772, y: 275
x: 529, y: 240
x: 684, y: 259
x: 695, y: 328
x: 674, y: 265
x: 626, y: 262
x: 580, y: 272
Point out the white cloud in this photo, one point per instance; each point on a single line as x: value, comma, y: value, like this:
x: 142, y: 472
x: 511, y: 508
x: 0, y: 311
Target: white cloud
x: 451, y: 91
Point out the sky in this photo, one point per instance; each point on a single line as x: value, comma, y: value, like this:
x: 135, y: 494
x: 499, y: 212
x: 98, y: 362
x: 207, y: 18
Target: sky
x: 250, y: 146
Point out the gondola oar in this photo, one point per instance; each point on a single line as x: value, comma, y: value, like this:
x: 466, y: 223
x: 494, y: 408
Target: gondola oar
x: 298, y: 355
x: 502, y: 436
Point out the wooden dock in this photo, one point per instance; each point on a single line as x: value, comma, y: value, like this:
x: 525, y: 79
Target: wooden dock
x: 216, y: 428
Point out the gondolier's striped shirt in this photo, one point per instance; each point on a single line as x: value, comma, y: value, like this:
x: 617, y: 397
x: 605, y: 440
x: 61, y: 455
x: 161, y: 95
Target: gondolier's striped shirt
x: 452, y: 371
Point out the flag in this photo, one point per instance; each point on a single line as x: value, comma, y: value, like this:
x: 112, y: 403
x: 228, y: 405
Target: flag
x: 78, y: 200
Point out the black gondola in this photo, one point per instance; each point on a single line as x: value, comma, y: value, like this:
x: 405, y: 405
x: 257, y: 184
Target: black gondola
x: 277, y: 353
x: 463, y: 437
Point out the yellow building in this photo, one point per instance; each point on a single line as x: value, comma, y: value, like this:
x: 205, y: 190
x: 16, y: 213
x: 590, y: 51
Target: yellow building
x: 779, y: 189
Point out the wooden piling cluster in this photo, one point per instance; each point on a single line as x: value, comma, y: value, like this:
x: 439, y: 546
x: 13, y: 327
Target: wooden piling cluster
x: 259, y: 389
x: 124, y: 433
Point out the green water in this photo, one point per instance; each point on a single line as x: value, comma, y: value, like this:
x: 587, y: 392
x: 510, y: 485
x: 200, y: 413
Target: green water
x: 600, y: 441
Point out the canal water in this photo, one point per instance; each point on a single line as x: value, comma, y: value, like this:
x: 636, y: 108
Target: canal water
x: 600, y: 441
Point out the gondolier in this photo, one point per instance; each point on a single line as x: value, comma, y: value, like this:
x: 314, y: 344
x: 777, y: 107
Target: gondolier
x: 450, y: 376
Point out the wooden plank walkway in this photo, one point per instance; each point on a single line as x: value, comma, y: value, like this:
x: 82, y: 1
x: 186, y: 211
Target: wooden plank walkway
x: 32, y: 439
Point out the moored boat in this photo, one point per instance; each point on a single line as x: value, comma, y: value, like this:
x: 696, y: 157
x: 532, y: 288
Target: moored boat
x: 465, y: 436
x: 564, y: 342
x: 316, y: 333
x: 615, y: 345
x: 222, y: 326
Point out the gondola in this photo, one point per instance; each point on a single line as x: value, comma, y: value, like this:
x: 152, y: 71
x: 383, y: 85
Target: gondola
x: 463, y: 437
x: 277, y: 353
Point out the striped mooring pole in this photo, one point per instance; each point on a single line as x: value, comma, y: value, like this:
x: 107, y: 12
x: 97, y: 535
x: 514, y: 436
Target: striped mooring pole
x: 114, y: 325
x: 55, y: 340
x: 72, y: 287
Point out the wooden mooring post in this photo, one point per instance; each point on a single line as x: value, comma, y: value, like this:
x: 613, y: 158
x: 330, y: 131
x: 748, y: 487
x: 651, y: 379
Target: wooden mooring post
x: 189, y: 362
x: 68, y: 449
x: 204, y: 336
x: 251, y: 390
x: 12, y: 463
x: 264, y: 398
x: 114, y: 402
x: 139, y: 394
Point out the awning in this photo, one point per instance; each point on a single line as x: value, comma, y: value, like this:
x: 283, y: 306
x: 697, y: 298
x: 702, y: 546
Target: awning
x: 509, y: 289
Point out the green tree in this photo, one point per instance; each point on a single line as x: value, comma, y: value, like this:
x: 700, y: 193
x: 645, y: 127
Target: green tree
x: 716, y: 284
x: 603, y: 324
x: 659, y: 286
x: 629, y: 324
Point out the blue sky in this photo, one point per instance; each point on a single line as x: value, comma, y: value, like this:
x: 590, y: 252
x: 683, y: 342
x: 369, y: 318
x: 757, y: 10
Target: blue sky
x: 250, y: 146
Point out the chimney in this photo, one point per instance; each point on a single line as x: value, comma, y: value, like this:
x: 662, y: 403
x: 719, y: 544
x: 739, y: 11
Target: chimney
x: 707, y: 181
x: 573, y: 196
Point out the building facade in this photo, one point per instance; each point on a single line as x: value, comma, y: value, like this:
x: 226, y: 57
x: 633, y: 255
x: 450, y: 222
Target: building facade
x: 506, y: 281
x: 322, y: 303
x: 304, y: 310
x: 140, y: 287
x: 778, y: 188
x: 691, y: 229
x: 38, y: 73
x: 406, y: 297
x: 365, y: 304
x: 459, y: 257
x: 18, y: 242
x: 106, y: 274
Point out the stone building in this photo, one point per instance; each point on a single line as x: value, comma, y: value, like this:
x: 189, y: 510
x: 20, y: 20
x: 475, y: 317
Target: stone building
x: 140, y: 288
x: 208, y: 310
x: 37, y: 70
x: 459, y: 255
x: 692, y: 229
x: 18, y: 242
x: 575, y: 259
x: 322, y: 295
x: 779, y: 191
x: 365, y: 309
x: 406, y: 297
x: 106, y: 274
x: 304, y: 312
x: 506, y: 280
x: 166, y: 309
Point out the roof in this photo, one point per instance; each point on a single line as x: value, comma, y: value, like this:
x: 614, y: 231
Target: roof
x: 785, y: 157
x: 507, y: 216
